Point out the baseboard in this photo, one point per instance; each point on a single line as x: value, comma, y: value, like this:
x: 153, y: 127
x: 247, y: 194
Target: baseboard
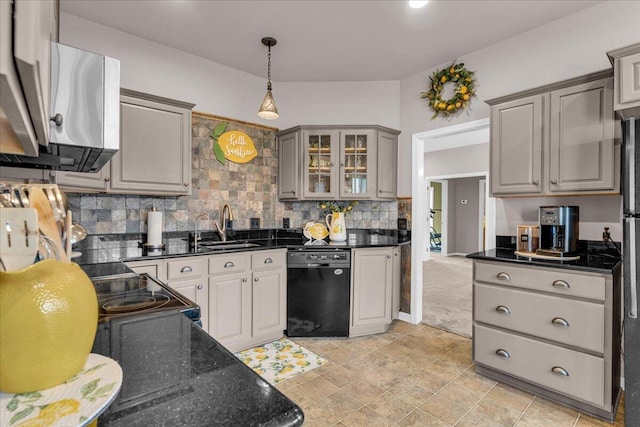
x: 405, y: 317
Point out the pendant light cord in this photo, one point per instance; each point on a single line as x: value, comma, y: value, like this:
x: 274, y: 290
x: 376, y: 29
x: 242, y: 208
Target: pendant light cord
x: 269, y: 68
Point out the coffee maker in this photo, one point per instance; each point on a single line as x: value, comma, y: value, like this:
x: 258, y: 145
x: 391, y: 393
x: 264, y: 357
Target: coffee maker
x: 558, y: 231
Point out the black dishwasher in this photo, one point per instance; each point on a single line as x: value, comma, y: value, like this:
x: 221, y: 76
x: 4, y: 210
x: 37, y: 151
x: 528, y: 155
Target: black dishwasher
x: 318, y: 292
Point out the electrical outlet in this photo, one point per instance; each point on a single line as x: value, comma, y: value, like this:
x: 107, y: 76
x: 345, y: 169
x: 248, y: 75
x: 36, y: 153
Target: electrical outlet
x: 606, y: 236
x: 254, y: 223
x: 286, y: 223
x: 402, y: 224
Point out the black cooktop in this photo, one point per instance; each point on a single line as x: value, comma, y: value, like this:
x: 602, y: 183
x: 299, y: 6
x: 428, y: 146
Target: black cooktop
x: 139, y: 294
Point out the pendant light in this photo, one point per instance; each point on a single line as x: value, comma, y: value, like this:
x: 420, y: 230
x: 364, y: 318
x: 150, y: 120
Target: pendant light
x: 268, y: 108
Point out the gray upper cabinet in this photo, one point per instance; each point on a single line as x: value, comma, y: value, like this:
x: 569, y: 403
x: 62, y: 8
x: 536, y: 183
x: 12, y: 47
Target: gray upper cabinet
x: 337, y: 163
x: 155, y: 150
x: 626, y: 95
x: 26, y: 33
x: 556, y: 140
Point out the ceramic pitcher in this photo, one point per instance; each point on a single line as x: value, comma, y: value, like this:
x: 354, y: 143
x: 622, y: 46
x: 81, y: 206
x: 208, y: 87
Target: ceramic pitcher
x: 337, y: 228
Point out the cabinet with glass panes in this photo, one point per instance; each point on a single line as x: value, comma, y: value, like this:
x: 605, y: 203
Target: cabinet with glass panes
x: 337, y: 163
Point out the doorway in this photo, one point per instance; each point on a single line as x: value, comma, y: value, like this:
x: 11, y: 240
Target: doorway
x: 466, y: 134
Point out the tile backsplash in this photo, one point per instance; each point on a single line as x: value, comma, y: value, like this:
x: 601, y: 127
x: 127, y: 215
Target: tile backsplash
x: 249, y: 188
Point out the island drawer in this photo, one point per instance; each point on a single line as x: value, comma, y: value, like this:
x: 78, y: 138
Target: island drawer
x: 229, y: 263
x: 263, y: 260
x: 189, y: 268
x: 573, y: 373
x: 551, y: 280
x: 568, y: 321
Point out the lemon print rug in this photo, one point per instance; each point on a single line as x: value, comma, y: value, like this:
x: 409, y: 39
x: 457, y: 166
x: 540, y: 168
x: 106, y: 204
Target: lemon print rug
x: 280, y: 360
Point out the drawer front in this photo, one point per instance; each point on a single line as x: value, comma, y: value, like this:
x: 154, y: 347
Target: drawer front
x: 575, y: 374
x: 542, y: 279
x: 229, y: 263
x: 571, y: 322
x: 180, y: 269
x: 263, y: 260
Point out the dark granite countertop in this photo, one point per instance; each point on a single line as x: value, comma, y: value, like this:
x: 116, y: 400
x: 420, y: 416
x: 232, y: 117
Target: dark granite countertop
x: 185, y: 378
x: 97, y: 249
x: 594, y: 257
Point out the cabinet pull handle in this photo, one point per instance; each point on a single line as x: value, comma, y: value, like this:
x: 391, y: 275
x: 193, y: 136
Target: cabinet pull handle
x: 268, y: 261
x: 560, y: 371
x: 186, y: 269
x: 503, y: 276
x: 554, y: 181
x: 57, y: 119
x: 503, y: 353
x: 561, y: 284
x: 244, y: 280
x: 559, y: 321
x: 503, y: 309
x: 229, y: 264
x: 199, y: 286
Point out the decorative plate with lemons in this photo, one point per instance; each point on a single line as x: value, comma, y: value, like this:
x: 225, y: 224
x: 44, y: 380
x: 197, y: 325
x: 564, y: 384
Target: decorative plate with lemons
x: 315, y: 230
x: 75, y: 402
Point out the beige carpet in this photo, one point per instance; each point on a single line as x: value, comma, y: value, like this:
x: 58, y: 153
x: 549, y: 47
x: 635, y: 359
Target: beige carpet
x: 446, y: 295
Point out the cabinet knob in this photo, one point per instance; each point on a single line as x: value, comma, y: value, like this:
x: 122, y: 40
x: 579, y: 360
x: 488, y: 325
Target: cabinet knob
x: 554, y: 181
x: 57, y: 119
x: 559, y: 321
x: 388, y: 256
x: 199, y: 286
x: 503, y: 276
x: 268, y: 261
x: 107, y: 179
x: 294, y: 192
x: 244, y: 280
x: 186, y: 269
x: 331, y: 164
x: 186, y: 184
x: 561, y: 284
x: 503, y: 353
x: 379, y: 191
x: 229, y: 264
x: 255, y: 279
x: 560, y: 371
x: 536, y: 182
x: 503, y: 309
x: 341, y: 164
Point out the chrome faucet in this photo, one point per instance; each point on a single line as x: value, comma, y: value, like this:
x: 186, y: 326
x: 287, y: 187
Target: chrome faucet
x: 222, y: 231
x: 196, y: 233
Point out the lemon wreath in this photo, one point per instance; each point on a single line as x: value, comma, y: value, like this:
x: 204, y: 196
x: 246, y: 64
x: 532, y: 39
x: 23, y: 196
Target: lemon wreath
x: 457, y: 74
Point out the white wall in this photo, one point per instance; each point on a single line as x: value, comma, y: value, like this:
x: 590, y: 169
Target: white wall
x: 566, y: 48
x: 457, y: 161
x: 216, y: 89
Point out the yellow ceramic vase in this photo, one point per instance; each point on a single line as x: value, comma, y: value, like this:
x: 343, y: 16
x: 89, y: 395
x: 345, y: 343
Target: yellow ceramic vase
x: 48, y: 321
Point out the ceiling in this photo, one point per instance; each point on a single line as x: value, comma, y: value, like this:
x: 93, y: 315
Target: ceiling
x: 326, y: 40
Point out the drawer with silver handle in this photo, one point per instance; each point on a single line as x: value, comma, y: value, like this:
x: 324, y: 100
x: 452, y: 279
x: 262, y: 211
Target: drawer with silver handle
x: 583, y: 285
x: 567, y: 321
x: 569, y: 372
x: 189, y: 268
x: 261, y: 260
x: 229, y: 263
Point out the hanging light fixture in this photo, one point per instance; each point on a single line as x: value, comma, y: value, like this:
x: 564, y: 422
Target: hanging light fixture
x: 268, y: 108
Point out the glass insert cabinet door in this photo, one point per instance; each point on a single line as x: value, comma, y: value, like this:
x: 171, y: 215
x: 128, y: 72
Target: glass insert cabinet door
x: 357, y: 149
x: 321, y: 151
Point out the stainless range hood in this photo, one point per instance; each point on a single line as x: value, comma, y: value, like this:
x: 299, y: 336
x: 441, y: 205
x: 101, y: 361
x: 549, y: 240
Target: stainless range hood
x: 84, y: 130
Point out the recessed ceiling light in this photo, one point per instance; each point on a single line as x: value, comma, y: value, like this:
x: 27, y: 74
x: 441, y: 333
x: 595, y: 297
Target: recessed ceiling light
x: 417, y: 4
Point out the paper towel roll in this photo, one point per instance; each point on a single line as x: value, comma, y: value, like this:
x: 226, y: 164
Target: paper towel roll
x: 154, y: 230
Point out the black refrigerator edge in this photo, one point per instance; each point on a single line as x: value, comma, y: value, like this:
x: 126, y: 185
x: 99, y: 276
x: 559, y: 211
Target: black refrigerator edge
x: 631, y: 238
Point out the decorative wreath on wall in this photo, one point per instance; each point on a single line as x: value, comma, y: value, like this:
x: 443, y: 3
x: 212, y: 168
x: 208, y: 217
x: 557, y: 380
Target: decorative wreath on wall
x: 462, y: 78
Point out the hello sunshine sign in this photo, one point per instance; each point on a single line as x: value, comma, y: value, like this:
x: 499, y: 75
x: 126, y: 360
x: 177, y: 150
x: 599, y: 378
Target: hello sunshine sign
x: 235, y: 146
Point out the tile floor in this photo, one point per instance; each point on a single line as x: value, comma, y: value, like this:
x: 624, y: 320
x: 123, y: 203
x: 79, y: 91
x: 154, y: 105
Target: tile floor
x: 414, y: 375
x: 447, y: 293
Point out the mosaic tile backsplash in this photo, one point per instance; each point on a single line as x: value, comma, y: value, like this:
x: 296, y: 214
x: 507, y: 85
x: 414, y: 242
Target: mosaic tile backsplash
x: 250, y: 189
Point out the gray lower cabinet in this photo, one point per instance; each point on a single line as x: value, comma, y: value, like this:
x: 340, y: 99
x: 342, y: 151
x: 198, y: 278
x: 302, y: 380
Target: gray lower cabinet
x: 247, y: 298
x: 372, y: 282
x: 154, y: 155
x: 626, y: 94
x: 549, y: 331
x: 556, y: 140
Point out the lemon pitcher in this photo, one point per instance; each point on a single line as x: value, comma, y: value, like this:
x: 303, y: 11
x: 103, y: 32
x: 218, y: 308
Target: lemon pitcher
x: 337, y: 227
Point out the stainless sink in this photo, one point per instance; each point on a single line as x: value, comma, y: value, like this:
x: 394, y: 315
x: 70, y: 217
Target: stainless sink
x: 221, y: 246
